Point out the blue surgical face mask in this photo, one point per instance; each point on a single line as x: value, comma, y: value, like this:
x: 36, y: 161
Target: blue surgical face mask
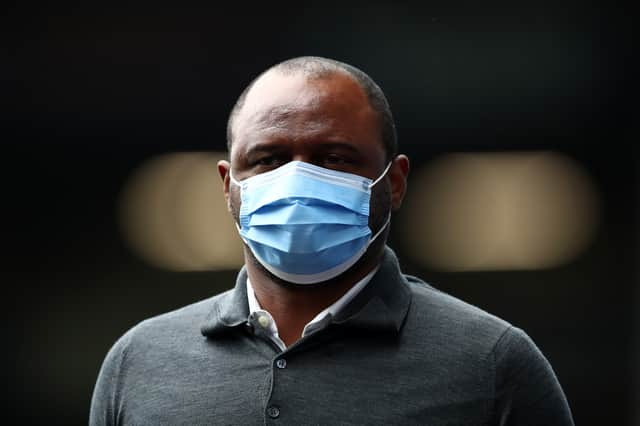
x: 306, y: 224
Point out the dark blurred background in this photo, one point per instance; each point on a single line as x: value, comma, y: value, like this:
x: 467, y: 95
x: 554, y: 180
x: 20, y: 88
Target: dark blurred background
x: 90, y: 92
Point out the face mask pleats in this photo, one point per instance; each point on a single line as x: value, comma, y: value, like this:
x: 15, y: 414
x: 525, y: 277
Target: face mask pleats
x: 306, y: 224
x: 303, y: 190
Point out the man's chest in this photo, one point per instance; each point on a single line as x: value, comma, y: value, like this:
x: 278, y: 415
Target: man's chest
x: 331, y: 384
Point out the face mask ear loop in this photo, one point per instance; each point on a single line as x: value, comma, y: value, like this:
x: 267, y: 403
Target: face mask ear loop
x: 382, y: 175
x: 380, y: 230
x: 239, y: 230
x: 232, y: 179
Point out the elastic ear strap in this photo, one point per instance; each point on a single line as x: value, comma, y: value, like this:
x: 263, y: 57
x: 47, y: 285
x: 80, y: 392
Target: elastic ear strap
x: 232, y: 179
x: 382, y: 175
x: 239, y: 231
x: 381, y: 229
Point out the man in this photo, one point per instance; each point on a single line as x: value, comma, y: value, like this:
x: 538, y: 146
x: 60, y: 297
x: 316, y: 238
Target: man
x: 322, y: 327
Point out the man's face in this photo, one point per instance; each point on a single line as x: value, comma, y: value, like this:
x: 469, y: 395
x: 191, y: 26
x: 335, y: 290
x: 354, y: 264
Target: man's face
x: 327, y: 122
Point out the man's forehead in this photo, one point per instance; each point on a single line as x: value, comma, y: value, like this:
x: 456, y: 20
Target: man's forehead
x: 275, y: 88
x: 294, y: 91
x: 277, y: 96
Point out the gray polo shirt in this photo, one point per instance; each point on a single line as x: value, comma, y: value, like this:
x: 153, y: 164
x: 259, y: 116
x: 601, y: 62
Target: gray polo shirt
x: 401, y: 352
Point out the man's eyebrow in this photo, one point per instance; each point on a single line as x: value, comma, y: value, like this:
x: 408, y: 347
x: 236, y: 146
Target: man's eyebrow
x: 263, y: 147
x: 321, y: 145
x: 338, y: 145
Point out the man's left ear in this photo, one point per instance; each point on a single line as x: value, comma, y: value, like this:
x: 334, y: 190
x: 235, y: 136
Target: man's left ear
x: 223, y: 171
x: 398, y: 174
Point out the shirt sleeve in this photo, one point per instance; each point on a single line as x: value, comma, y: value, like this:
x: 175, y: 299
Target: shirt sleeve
x: 527, y: 391
x: 106, y: 394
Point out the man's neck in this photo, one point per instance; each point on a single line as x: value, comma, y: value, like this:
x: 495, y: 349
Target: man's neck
x: 292, y: 307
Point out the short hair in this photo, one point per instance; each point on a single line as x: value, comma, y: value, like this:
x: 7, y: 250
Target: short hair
x: 318, y: 67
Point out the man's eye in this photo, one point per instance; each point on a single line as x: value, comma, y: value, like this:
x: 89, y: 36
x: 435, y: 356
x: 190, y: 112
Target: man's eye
x: 335, y: 159
x: 267, y: 161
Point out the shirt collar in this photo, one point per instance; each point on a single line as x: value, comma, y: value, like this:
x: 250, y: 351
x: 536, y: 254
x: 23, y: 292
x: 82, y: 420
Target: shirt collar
x: 333, y: 309
x: 380, y: 304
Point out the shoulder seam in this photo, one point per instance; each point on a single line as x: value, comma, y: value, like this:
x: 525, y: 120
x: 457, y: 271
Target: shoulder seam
x: 115, y: 406
x: 495, y: 369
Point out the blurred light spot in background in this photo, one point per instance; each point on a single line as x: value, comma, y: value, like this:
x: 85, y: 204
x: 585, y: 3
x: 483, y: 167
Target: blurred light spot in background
x: 174, y: 216
x: 499, y: 211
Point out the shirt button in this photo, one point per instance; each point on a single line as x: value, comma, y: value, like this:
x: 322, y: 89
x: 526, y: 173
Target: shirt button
x: 273, y: 412
x: 281, y: 363
x: 263, y: 321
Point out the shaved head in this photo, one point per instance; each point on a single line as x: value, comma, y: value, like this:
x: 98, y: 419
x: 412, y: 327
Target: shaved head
x: 313, y: 67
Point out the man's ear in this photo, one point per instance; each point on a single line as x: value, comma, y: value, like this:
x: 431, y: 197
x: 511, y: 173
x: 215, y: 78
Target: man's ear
x: 398, y: 174
x: 224, y: 169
